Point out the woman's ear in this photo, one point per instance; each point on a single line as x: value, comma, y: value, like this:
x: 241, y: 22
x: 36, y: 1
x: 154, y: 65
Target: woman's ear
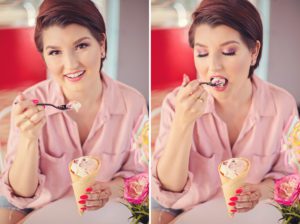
x: 255, y: 52
x: 103, y: 45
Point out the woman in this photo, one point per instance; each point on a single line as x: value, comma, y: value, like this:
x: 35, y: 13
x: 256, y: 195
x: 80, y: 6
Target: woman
x: 202, y: 125
x: 71, y: 37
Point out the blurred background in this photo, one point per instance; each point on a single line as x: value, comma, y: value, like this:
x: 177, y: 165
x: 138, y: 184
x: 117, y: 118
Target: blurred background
x: 171, y: 55
x: 127, y: 24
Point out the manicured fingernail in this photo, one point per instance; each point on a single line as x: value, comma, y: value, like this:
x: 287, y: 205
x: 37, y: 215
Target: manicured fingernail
x: 89, y: 189
x: 35, y: 101
x: 83, y: 208
x: 238, y: 191
x: 81, y: 202
x: 233, y: 210
x: 231, y: 203
x: 233, y: 199
x: 84, y: 196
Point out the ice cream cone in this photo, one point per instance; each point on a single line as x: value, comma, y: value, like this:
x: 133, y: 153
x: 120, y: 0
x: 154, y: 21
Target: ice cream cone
x: 229, y: 186
x: 80, y: 184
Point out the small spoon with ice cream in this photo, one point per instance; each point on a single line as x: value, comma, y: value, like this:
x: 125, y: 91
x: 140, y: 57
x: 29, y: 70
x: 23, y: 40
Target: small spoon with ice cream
x: 216, y: 81
x: 72, y: 105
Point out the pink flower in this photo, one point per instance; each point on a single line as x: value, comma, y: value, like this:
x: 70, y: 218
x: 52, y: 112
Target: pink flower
x: 287, y: 189
x: 136, y: 188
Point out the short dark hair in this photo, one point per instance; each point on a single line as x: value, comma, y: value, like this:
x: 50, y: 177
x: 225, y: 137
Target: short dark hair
x: 66, y: 12
x: 240, y: 15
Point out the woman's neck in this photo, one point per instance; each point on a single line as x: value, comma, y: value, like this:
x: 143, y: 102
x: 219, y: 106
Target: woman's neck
x: 87, y: 97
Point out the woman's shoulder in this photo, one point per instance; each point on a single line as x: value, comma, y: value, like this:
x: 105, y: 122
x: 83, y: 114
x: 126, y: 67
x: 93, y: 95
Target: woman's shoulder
x: 133, y: 99
x: 280, y: 95
x: 129, y: 93
x: 283, y: 101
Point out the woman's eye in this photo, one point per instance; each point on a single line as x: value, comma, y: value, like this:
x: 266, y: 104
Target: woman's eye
x: 229, y: 53
x: 201, y: 55
x: 82, y: 46
x: 54, y: 52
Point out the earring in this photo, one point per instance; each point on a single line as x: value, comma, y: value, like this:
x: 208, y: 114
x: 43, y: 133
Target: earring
x: 253, y: 62
x: 102, y: 55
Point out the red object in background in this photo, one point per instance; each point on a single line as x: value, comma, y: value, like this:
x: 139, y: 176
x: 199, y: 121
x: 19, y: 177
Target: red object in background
x: 20, y: 62
x: 171, y: 57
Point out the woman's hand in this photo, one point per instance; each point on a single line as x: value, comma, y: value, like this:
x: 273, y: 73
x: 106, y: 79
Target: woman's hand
x: 96, y: 197
x: 190, y: 101
x: 247, y: 197
x: 28, y: 117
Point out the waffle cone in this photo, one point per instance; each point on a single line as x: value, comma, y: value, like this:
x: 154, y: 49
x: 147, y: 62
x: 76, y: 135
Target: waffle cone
x: 80, y: 184
x: 229, y: 186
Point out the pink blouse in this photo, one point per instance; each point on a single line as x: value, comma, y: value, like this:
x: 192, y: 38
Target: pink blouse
x: 111, y: 138
x: 260, y: 139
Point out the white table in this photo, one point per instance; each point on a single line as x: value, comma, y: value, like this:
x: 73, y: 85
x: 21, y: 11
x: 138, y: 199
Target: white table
x: 214, y: 212
x: 65, y: 211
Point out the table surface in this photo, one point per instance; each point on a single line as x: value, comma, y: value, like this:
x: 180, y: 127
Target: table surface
x: 65, y: 211
x: 214, y: 212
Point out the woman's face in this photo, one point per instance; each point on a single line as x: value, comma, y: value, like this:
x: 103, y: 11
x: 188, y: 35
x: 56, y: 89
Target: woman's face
x: 72, y: 56
x: 220, y: 52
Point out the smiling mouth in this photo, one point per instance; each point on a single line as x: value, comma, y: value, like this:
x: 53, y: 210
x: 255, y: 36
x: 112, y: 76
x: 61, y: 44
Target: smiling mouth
x: 75, y: 75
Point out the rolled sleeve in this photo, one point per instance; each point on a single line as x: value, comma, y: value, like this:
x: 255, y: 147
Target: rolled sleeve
x: 18, y: 201
x: 170, y: 199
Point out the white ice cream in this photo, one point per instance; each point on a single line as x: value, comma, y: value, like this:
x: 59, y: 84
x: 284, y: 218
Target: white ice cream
x: 232, y: 168
x: 218, y: 81
x: 74, y: 105
x: 84, y: 166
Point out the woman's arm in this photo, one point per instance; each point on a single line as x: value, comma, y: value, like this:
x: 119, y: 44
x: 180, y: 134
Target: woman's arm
x: 23, y: 173
x: 172, y: 167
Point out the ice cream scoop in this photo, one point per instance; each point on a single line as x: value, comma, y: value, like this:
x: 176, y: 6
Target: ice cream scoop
x: 84, y: 166
x: 232, y: 168
x: 74, y: 105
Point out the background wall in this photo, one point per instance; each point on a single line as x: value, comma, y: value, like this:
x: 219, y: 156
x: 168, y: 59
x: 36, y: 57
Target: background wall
x: 284, y: 45
x: 133, y: 63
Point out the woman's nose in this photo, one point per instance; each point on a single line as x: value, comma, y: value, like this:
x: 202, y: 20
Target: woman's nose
x: 70, y: 61
x: 215, y: 63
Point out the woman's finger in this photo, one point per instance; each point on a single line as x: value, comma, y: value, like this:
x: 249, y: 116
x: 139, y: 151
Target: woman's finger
x: 35, y: 118
x: 21, y: 106
x: 31, y: 111
x: 94, y: 203
x: 26, y: 125
x: 242, y: 205
x: 185, y: 80
x: 191, y: 88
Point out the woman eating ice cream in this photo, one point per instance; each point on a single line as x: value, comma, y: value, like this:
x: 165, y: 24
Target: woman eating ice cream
x: 71, y: 37
x: 227, y: 112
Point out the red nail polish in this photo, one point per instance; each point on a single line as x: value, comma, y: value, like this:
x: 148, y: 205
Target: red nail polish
x: 83, y: 208
x: 81, y: 202
x: 89, y: 189
x: 84, y: 196
x: 238, y: 191
x: 233, y: 199
x: 35, y: 101
x: 231, y: 203
x: 233, y: 210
